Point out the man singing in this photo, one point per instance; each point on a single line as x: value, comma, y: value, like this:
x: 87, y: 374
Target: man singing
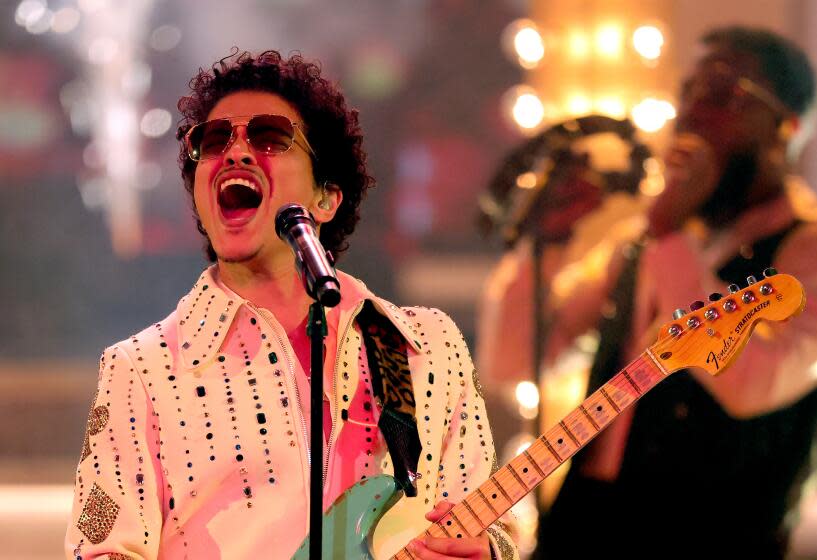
x: 197, y: 443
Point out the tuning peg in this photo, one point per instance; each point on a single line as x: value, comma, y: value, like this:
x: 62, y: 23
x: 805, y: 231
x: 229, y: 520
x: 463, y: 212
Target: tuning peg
x: 715, y: 296
x: 678, y: 313
x: 733, y: 288
x: 696, y: 305
x: 771, y: 271
x: 750, y: 280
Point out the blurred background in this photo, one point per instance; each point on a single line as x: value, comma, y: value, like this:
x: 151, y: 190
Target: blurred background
x: 97, y: 233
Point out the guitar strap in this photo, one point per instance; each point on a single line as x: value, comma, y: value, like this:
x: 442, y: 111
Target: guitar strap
x: 615, y: 328
x: 387, y: 355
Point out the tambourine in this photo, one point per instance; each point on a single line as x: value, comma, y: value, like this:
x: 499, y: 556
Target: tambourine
x: 523, y: 188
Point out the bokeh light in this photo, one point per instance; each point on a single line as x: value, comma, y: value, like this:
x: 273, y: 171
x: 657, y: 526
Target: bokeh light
x: 651, y: 114
x: 156, y: 123
x: 648, y: 41
x: 529, y: 46
x: 527, y: 394
x: 65, y: 20
x: 609, y: 40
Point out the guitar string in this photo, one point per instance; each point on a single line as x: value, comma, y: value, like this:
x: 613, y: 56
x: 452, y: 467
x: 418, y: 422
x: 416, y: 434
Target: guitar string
x: 509, y: 480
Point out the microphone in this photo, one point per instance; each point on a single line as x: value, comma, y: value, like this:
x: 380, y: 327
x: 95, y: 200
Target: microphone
x: 295, y: 225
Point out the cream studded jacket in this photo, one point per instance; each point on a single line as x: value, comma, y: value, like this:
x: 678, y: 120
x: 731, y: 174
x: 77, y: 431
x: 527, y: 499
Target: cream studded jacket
x: 196, y: 445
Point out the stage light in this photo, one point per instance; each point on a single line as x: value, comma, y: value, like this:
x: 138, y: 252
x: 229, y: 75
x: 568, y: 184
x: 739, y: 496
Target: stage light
x: 527, y: 395
x: 523, y: 445
x: 611, y: 107
x: 65, y: 20
x: 609, y: 40
x: 579, y: 104
x: 529, y: 46
x: 165, y: 38
x: 523, y: 43
x: 102, y: 50
x: 669, y: 109
x: 648, y: 41
x: 42, y: 24
x: 120, y: 122
x: 651, y: 114
x: 527, y: 109
x: 155, y: 123
x: 578, y: 45
x: 29, y: 11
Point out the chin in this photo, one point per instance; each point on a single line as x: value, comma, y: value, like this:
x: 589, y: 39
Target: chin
x: 236, y: 255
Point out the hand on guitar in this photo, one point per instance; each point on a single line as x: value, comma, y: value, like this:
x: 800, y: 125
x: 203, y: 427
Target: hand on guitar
x: 473, y: 548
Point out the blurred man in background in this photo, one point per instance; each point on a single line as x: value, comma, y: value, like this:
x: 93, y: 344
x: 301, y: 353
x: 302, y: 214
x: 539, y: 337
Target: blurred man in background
x: 703, y: 466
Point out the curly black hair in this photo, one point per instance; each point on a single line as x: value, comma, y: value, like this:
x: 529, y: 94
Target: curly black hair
x: 331, y: 127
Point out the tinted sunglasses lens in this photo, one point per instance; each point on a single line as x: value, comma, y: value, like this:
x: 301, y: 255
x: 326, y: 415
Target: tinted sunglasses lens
x: 271, y: 134
x: 209, y: 139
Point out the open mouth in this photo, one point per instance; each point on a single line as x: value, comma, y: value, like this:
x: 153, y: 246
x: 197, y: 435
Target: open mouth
x: 238, y: 198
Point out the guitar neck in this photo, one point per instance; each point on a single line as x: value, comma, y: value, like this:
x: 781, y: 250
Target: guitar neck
x: 523, y: 473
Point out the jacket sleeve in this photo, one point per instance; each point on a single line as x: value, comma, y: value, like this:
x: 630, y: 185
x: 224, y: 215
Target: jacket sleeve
x: 117, y: 510
x: 468, y: 456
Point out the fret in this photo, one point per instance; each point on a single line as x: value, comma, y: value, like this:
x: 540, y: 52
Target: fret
x: 578, y: 429
x: 558, y: 457
x: 589, y: 418
x: 473, y: 513
x: 604, y: 393
x: 510, y: 484
x: 516, y: 475
x: 569, y: 433
x: 543, y: 458
x: 501, y: 489
x: 441, y: 527
x: 646, y: 374
x: 522, y: 469
x: 631, y: 382
x: 457, y: 519
x: 600, y: 410
x: 534, y: 463
x: 524, y: 472
x: 481, y: 494
x: 621, y: 391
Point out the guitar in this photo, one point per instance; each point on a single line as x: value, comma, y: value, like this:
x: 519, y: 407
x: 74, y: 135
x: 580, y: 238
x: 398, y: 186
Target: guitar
x: 709, y: 337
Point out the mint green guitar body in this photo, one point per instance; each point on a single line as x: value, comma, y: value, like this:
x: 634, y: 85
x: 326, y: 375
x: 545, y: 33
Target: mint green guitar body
x: 349, y: 523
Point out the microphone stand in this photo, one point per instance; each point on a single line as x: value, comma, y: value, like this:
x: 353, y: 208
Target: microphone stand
x: 316, y: 330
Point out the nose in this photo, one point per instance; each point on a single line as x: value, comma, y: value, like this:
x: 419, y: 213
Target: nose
x: 239, y: 150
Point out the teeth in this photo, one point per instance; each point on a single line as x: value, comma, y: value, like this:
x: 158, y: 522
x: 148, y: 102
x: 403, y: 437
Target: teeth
x: 237, y: 181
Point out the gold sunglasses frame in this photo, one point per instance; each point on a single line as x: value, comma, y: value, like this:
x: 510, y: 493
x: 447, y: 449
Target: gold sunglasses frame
x: 244, y: 120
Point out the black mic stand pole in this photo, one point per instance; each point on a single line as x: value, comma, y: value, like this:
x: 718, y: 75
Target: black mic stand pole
x: 316, y: 330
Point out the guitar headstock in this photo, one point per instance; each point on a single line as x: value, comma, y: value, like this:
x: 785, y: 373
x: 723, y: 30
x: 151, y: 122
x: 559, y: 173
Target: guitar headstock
x: 711, y: 335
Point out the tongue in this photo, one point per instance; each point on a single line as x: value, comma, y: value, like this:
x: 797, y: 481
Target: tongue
x: 238, y: 201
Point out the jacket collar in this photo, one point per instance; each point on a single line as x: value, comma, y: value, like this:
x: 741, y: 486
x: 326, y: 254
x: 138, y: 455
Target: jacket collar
x: 207, y: 312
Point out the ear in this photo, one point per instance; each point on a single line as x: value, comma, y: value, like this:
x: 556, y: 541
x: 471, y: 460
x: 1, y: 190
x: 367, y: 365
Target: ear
x: 326, y: 202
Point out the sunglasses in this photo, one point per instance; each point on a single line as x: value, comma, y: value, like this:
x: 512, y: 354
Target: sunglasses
x: 723, y: 87
x: 267, y: 134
